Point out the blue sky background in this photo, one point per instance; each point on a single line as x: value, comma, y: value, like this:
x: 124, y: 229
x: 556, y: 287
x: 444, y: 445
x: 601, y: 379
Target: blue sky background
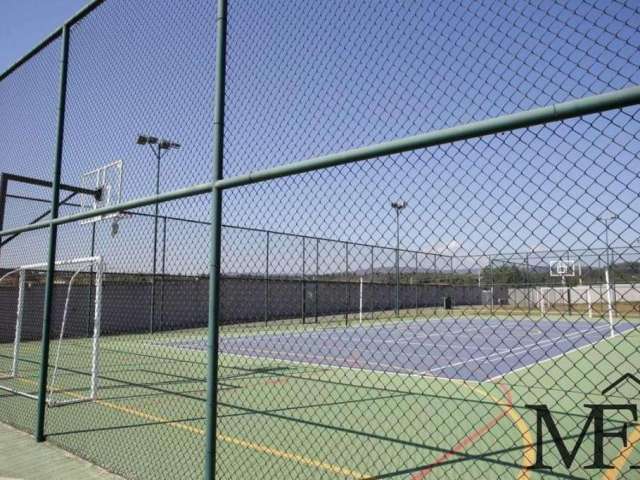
x: 24, y: 23
x: 310, y: 78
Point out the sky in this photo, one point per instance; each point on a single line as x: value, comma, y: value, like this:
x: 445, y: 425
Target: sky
x: 24, y: 23
x: 305, y: 80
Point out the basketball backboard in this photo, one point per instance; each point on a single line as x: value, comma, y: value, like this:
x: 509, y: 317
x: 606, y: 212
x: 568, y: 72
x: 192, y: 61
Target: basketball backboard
x: 562, y: 268
x: 108, y: 180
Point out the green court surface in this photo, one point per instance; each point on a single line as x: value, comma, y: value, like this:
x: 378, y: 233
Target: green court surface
x: 22, y: 458
x: 288, y: 419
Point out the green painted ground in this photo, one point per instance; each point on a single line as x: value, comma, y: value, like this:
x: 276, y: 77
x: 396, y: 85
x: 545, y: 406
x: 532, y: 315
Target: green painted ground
x: 22, y: 458
x: 288, y: 420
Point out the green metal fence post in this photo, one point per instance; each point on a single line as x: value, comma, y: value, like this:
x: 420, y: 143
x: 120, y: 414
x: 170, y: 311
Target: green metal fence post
x: 371, y: 293
x: 317, y: 278
x: 347, y: 283
x: 214, y: 256
x: 415, y: 279
x: 266, y: 284
x: 4, y: 183
x: 528, y: 282
x: 53, y: 234
x: 163, y: 272
x: 304, y: 288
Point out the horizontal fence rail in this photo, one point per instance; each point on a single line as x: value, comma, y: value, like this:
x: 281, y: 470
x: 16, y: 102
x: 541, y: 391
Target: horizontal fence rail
x: 571, y: 109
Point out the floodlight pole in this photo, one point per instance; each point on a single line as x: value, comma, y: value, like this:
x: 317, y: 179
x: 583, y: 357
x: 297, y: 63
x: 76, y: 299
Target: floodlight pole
x: 398, y: 206
x: 156, y: 212
x: 159, y: 147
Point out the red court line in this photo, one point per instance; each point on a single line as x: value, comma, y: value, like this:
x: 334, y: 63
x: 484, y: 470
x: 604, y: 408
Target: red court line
x: 469, y: 439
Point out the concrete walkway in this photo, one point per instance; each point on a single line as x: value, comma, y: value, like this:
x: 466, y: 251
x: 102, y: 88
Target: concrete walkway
x: 22, y: 458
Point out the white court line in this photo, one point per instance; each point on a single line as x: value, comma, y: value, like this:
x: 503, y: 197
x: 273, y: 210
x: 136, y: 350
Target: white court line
x: 514, y: 351
x: 401, y: 339
x: 402, y: 325
x: 413, y: 373
x: 560, y: 355
x: 406, y: 372
x: 439, y: 345
x: 324, y: 357
x: 449, y: 333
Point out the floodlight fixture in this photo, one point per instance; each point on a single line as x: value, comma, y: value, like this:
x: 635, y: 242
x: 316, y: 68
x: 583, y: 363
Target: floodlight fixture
x: 146, y: 140
x: 168, y: 145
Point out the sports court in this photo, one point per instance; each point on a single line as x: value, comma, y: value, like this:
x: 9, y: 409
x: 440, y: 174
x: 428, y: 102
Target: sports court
x: 289, y: 240
x: 474, y: 349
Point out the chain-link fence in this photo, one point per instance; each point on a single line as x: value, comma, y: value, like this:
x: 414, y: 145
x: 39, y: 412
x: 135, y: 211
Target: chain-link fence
x: 326, y: 240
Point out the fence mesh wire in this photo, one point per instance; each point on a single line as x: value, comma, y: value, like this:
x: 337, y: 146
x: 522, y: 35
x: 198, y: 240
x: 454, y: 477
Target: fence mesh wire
x: 411, y: 315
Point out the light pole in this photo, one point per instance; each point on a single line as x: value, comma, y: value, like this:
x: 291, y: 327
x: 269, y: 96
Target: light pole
x: 531, y: 252
x: 398, y: 206
x: 159, y: 147
x: 607, y: 220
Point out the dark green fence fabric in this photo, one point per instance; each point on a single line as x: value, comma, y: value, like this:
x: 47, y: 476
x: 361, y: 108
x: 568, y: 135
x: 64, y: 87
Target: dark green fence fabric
x: 349, y: 239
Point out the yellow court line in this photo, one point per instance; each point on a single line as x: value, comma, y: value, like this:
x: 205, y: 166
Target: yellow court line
x: 319, y: 464
x: 623, y: 456
x: 528, y: 454
x: 241, y: 442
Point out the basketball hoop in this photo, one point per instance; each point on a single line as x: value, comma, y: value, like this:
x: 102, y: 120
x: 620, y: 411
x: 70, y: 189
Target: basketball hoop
x: 562, y: 268
x: 108, y: 180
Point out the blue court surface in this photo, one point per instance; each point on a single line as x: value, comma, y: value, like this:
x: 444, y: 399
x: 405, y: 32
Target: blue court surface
x: 453, y: 348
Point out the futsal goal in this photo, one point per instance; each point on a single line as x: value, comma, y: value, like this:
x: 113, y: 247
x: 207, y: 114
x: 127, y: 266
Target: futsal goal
x: 75, y: 327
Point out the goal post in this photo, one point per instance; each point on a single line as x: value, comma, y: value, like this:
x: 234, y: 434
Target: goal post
x: 13, y: 370
x: 74, y: 359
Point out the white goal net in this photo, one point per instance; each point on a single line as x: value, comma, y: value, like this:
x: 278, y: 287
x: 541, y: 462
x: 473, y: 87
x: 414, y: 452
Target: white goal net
x: 74, y: 331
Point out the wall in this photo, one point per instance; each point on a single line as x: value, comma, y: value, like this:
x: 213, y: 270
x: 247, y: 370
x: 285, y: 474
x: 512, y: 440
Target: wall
x: 183, y: 303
